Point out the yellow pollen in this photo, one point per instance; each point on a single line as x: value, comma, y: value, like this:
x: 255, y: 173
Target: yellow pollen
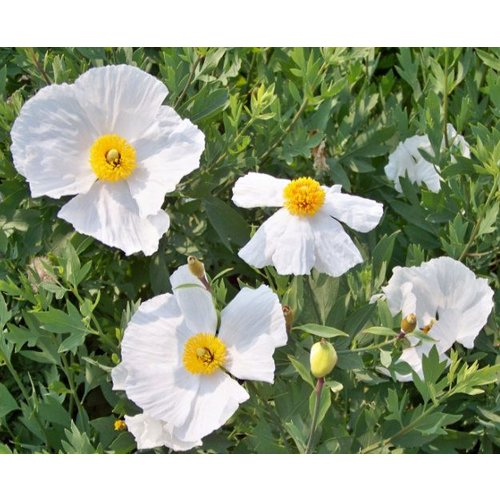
x: 204, y: 354
x: 120, y: 425
x: 112, y: 158
x: 303, y: 196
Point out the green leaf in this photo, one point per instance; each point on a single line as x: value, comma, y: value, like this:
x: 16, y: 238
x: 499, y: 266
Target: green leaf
x: 7, y: 402
x: 381, y: 330
x: 324, y: 404
x: 227, y: 222
x: 326, y: 332
x: 302, y: 371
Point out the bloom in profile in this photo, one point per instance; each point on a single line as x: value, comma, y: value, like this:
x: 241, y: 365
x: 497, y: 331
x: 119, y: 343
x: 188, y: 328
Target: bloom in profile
x: 306, y: 231
x: 179, y: 369
x: 447, y: 301
x: 108, y: 141
x: 407, y: 160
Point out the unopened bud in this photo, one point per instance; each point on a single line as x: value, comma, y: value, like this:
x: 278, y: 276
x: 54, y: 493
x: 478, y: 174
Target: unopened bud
x: 323, y: 358
x: 288, y: 313
x: 429, y: 325
x: 196, y: 267
x: 409, y: 323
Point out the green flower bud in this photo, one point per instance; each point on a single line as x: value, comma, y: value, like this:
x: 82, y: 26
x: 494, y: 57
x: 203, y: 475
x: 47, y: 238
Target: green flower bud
x: 323, y: 358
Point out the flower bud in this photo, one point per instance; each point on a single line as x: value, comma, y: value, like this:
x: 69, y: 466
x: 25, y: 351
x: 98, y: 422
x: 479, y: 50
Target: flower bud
x: 323, y: 358
x: 288, y: 313
x: 409, y: 323
x: 429, y: 325
x: 196, y: 267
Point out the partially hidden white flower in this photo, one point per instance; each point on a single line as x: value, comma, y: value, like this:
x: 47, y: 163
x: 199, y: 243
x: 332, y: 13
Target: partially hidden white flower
x: 108, y: 140
x: 179, y: 370
x: 449, y: 302
x: 407, y: 160
x: 306, y: 232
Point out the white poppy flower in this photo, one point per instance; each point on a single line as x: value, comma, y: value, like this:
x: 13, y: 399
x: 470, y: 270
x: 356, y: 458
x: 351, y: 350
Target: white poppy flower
x: 449, y: 302
x: 108, y: 140
x: 176, y: 367
x: 407, y: 160
x: 306, y: 231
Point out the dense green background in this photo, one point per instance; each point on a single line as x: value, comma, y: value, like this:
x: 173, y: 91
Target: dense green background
x: 65, y: 298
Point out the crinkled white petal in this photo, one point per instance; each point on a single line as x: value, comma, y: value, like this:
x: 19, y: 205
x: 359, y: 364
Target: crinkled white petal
x: 119, y: 376
x: 460, y: 291
x: 252, y: 326
x: 151, y: 433
x: 456, y: 141
x: 407, y: 161
x: 259, y: 190
x: 195, y: 301
x: 109, y: 213
x: 51, y: 139
x: 217, y: 399
x: 170, y: 149
x: 121, y: 99
x: 295, y: 248
x: 361, y: 214
x: 335, y: 252
x: 258, y: 252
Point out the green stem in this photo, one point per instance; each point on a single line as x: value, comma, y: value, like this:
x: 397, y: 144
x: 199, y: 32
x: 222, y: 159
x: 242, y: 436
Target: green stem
x: 72, y: 387
x: 368, y: 348
x: 317, y: 390
x: 475, y: 229
x: 188, y: 82
x: 40, y: 69
x: 445, y: 100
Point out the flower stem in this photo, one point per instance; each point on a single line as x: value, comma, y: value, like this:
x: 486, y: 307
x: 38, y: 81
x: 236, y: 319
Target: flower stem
x: 445, y: 100
x: 317, y: 390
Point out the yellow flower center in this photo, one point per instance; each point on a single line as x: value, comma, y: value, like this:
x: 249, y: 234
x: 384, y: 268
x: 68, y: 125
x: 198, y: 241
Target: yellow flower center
x: 303, y: 196
x: 112, y: 158
x: 204, y: 353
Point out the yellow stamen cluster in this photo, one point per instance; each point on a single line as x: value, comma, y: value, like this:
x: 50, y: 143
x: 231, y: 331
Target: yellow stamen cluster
x: 112, y: 158
x: 120, y: 425
x: 204, y: 353
x: 303, y: 196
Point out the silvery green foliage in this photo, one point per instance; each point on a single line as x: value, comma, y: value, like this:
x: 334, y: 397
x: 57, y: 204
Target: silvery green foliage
x: 332, y: 114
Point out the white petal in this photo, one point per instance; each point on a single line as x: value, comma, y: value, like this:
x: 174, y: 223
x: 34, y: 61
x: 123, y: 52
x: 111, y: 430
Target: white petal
x: 167, y: 152
x: 109, y: 213
x: 252, y: 325
x: 361, y: 214
x: 121, y: 100
x: 218, y: 398
x: 258, y: 252
x: 155, y: 334
x: 119, y: 375
x: 259, y: 190
x: 151, y: 433
x: 51, y: 139
x: 456, y: 141
x: 460, y: 291
x: 335, y: 251
x: 407, y: 161
x: 195, y: 301
x: 163, y: 392
x: 295, y: 248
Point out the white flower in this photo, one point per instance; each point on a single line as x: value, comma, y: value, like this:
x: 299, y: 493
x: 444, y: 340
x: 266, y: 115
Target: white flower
x: 177, y: 369
x: 407, y: 160
x: 306, y: 231
x: 108, y: 140
x: 449, y: 302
